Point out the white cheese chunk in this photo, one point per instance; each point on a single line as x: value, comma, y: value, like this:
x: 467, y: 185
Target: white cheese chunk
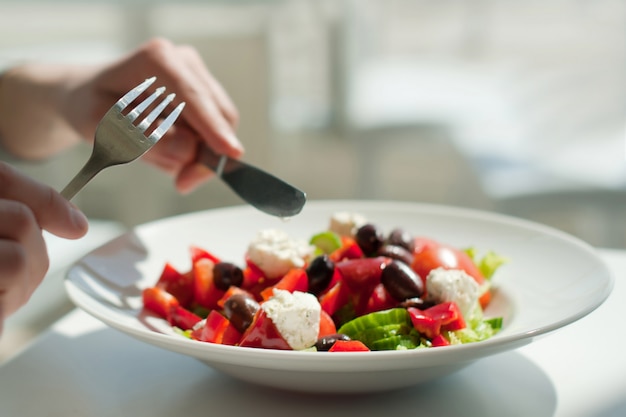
x: 275, y: 253
x: 296, y: 316
x: 456, y: 285
x: 345, y: 223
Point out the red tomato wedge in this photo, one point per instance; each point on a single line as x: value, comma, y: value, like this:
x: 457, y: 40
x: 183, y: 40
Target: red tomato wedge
x: 349, y: 346
x: 262, y: 333
x: 335, y: 298
x: 206, y: 294
x: 361, y: 276
x: 440, y: 317
x: 182, y: 318
x: 176, y: 283
x: 158, y: 301
x: 439, y: 340
x: 349, y: 250
x: 294, y: 280
x: 199, y: 253
x: 327, y: 325
x: 433, y: 255
x: 380, y: 300
x: 217, y: 329
x: 429, y: 255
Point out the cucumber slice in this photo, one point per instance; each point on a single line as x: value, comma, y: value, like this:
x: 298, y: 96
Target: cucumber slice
x: 396, y: 342
x: 395, y: 316
x: 327, y: 241
x: 368, y: 336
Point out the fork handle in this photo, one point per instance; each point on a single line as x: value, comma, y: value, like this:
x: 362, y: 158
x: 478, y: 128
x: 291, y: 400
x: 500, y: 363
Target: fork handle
x: 87, y: 172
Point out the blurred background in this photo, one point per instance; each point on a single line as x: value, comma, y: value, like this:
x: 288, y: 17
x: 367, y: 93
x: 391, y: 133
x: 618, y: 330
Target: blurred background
x: 515, y: 107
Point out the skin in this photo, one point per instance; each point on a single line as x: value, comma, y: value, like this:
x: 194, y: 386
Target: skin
x: 26, y: 208
x: 47, y: 108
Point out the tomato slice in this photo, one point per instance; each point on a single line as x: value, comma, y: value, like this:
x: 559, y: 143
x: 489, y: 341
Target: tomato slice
x: 158, y: 301
x: 439, y: 340
x: 349, y: 250
x: 327, y: 325
x: 433, y: 255
x: 262, y: 333
x: 182, y: 318
x: 294, y: 280
x: 348, y: 346
x: 206, y: 294
x: 335, y: 298
x: 176, y: 283
x: 217, y: 329
x: 430, y: 322
x: 255, y: 281
x: 361, y: 276
x: 380, y: 300
x: 199, y: 253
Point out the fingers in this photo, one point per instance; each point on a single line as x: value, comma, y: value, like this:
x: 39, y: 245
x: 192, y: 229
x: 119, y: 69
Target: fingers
x: 223, y: 100
x: 23, y: 256
x: 209, y: 111
x: 51, y: 211
x: 209, y: 118
x: 27, y: 207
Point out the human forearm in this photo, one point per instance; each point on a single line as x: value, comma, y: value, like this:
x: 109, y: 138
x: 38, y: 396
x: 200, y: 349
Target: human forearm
x: 32, y: 100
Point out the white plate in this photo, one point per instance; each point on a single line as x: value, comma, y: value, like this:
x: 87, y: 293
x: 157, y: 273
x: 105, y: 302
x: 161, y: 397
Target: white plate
x: 552, y: 280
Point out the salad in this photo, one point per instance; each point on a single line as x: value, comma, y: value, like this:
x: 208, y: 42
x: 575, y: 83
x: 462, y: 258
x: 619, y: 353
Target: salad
x: 350, y: 287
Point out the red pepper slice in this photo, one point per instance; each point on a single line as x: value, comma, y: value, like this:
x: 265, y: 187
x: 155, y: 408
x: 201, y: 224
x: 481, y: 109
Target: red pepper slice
x: 206, y: 294
x: 348, y: 346
x: 198, y: 253
x: 176, y: 283
x: 327, y: 325
x: 430, y: 322
x: 263, y: 333
x: 294, y: 280
x: 380, y: 300
x: 349, y: 250
x: 361, y: 276
x: 217, y: 329
x: 335, y: 298
x: 158, y: 301
x: 182, y: 318
x: 439, y: 340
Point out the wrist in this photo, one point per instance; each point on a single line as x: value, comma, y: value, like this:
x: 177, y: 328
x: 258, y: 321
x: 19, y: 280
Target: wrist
x: 32, y: 125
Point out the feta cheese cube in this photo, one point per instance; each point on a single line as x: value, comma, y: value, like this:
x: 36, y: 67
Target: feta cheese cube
x: 275, y: 253
x: 296, y: 316
x: 346, y: 223
x: 456, y: 285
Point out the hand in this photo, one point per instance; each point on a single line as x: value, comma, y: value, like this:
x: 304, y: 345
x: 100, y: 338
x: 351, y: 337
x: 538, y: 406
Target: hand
x: 46, y: 108
x: 27, y: 207
x: 209, y: 116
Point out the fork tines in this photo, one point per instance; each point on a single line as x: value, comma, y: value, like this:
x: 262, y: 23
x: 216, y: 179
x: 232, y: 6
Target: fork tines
x: 132, y: 116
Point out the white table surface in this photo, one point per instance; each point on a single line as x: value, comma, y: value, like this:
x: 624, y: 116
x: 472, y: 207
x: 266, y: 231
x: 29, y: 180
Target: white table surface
x: 80, y: 367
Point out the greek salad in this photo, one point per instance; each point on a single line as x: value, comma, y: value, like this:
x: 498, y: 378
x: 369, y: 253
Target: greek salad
x: 350, y: 287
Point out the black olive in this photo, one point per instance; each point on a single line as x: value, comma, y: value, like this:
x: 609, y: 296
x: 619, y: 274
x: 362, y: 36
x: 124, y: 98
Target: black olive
x: 369, y: 238
x: 401, y: 282
x: 240, y: 309
x: 226, y: 274
x: 324, y: 343
x: 396, y: 252
x: 399, y: 237
x: 319, y: 272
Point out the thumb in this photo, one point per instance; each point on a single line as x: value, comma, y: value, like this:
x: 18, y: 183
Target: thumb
x: 53, y: 212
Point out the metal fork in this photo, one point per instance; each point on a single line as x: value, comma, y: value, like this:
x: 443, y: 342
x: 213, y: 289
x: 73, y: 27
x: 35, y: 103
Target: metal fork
x: 118, y: 140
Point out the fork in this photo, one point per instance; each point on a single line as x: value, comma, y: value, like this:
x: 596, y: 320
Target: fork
x: 118, y: 140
